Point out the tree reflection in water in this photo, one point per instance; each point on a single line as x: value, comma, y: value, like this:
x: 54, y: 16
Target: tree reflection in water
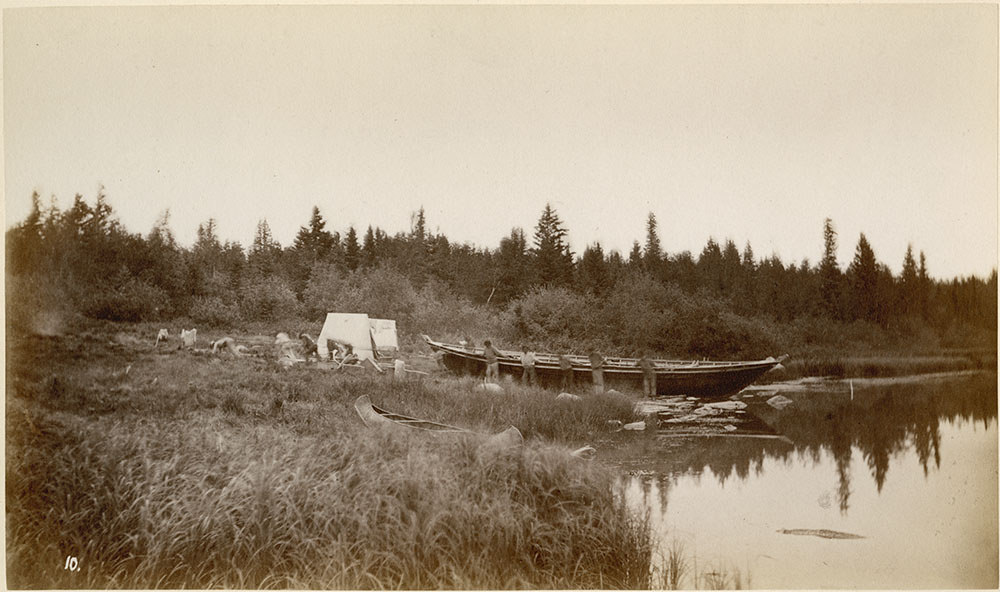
x: 880, y: 422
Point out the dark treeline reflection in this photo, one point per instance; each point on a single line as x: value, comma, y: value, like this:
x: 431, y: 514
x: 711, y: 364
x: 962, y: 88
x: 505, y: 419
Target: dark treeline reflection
x: 879, y: 422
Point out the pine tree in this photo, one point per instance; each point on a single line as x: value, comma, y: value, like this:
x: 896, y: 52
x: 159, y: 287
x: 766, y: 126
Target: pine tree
x: 167, y: 266
x: 746, y: 290
x: 264, y: 252
x: 513, y: 271
x: 635, y: 256
x: 652, y: 255
x: 829, y: 274
x: 352, y: 251
x: 863, y: 280
x: 925, y: 287
x: 25, y: 241
x: 369, y: 249
x: 417, y: 249
x: 731, y: 269
x: 313, y: 242
x: 418, y: 230
x: 710, y: 266
x: 552, y: 257
x: 910, y: 283
x: 593, y: 271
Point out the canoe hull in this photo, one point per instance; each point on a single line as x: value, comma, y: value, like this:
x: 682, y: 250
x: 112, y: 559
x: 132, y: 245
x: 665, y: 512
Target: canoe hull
x: 696, y: 379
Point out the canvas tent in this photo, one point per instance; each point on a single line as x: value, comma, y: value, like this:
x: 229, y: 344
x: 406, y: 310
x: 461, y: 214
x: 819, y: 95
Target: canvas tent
x: 365, y: 336
x: 384, y: 336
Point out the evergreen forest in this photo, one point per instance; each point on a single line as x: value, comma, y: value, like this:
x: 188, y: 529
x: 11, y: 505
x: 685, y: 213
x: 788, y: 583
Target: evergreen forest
x: 531, y: 289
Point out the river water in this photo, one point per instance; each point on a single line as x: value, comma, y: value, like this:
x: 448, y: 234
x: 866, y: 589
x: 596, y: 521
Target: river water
x: 911, y: 468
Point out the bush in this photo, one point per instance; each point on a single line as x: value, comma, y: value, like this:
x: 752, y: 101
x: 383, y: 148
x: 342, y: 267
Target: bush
x: 637, y: 314
x: 443, y: 315
x: 268, y: 299
x: 212, y: 311
x: 135, y: 301
x: 556, y: 318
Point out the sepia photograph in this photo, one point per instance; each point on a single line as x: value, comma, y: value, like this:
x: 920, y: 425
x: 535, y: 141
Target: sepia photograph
x: 511, y: 296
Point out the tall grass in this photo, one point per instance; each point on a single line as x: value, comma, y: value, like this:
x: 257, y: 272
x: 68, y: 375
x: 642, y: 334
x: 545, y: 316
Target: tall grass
x: 197, y: 471
x: 877, y: 366
x: 677, y: 569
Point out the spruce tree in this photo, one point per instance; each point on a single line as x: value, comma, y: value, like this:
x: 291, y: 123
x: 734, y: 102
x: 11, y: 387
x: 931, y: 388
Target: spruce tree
x: 593, y: 271
x: 830, y: 278
x: 552, y: 257
x: 512, y: 275
x: 264, y: 252
x: 313, y: 242
x: 635, y: 256
x: 352, y: 251
x: 369, y: 250
x: 863, y: 281
x: 652, y: 255
x: 925, y: 288
x: 910, y: 283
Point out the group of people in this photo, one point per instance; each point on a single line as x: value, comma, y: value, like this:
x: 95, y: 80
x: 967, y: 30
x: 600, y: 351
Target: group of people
x: 530, y: 375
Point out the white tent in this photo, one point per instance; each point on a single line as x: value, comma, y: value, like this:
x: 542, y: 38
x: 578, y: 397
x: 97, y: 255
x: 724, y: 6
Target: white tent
x: 384, y: 335
x: 364, y: 335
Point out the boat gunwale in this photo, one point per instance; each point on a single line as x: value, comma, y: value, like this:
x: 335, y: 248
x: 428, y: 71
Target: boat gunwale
x: 412, y: 422
x: 617, y: 365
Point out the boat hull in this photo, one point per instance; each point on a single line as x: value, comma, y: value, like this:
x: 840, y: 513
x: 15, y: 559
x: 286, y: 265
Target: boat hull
x: 696, y: 379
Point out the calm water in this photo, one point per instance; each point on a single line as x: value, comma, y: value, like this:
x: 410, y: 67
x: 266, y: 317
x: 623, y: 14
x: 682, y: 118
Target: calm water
x: 912, y: 468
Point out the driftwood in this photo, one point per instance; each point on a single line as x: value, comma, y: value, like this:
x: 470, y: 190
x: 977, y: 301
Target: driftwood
x: 821, y: 532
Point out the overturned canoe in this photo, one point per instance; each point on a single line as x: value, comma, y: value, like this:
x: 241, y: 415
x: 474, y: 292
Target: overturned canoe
x: 673, y: 377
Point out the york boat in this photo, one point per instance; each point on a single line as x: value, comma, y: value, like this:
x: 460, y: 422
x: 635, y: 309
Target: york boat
x: 673, y: 377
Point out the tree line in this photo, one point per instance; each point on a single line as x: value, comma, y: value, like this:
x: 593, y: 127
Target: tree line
x: 84, y: 254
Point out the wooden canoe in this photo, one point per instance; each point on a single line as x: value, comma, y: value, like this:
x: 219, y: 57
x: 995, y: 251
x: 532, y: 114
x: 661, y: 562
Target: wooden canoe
x: 696, y: 378
x: 375, y: 416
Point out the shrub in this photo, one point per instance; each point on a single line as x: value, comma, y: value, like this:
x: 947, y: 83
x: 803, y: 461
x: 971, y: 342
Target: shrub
x: 212, y: 311
x: 268, y: 299
x: 134, y: 301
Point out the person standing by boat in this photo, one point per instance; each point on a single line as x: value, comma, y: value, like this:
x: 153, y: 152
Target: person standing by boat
x: 648, y: 375
x: 528, y: 362
x: 566, y: 367
x: 597, y: 371
x: 492, y: 362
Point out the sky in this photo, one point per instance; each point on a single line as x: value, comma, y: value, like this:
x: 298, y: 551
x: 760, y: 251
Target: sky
x: 750, y: 123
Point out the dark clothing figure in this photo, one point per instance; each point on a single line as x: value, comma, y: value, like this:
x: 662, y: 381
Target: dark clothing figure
x: 492, y: 363
x: 597, y: 371
x: 308, y: 345
x: 566, y: 368
x: 648, y: 376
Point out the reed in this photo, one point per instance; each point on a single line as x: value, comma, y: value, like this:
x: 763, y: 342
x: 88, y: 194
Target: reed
x: 879, y: 366
x: 674, y: 566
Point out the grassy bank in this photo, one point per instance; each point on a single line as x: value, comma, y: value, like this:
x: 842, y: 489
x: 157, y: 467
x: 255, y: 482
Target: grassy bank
x: 172, y: 469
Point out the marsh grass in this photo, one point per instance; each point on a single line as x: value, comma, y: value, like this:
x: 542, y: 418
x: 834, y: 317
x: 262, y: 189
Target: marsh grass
x: 197, y: 471
x: 675, y: 568
x: 880, y: 366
